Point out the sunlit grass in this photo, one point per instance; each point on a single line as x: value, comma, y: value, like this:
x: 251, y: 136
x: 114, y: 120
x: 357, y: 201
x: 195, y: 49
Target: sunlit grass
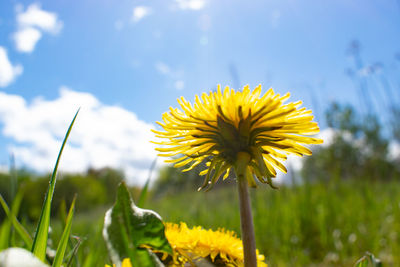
x: 324, y: 224
x: 318, y: 223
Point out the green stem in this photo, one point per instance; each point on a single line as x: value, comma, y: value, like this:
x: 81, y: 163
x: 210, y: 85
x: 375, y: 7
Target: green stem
x: 246, y: 218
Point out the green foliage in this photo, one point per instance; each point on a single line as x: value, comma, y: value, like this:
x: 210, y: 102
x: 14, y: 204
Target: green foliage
x: 94, y: 188
x: 395, y: 123
x: 172, y: 180
x: 109, y: 178
x: 17, y: 225
x: 40, y: 240
x: 359, y: 149
x: 368, y: 260
x: 6, y: 228
x: 62, y: 245
x: 143, y: 193
x: 129, y: 231
x: 7, y: 188
x: 312, y: 224
x: 32, y: 202
x: 90, y: 192
x: 39, y: 244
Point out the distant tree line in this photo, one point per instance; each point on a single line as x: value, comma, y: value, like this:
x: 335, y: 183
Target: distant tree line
x: 359, y: 148
x: 93, y: 189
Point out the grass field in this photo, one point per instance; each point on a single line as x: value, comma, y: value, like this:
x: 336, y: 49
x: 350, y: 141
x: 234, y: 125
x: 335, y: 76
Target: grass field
x: 304, y: 225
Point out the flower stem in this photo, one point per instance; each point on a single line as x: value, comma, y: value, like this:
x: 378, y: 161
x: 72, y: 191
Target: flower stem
x: 246, y: 218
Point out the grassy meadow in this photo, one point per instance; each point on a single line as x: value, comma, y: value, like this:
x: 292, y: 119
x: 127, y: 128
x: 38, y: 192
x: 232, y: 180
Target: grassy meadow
x: 321, y: 224
x: 303, y: 225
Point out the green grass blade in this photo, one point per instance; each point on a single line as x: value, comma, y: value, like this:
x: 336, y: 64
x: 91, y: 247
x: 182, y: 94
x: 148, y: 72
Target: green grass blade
x: 6, y: 226
x: 62, y: 245
x: 143, y: 193
x: 89, y: 260
x: 40, y: 240
x: 18, y: 227
x: 14, y: 178
x: 368, y: 260
x: 5, y: 230
x: 62, y: 212
x: 16, y: 204
x: 145, y: 189
x: 74, y: 253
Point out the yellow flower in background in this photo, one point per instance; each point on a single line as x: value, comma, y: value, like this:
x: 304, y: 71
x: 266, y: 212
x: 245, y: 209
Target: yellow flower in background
x: 125, y: 263
x: 226, y: 128
x: 221, y: 246
x: 190, y: 245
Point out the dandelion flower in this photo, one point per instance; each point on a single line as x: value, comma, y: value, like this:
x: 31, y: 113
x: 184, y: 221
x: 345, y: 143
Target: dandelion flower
x: 125, y: 263
x: 221, y: 247
x: 189, y: 245
x: 228, y: 128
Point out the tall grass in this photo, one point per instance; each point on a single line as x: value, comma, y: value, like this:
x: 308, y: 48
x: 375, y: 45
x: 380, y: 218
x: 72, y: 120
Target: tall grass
x: 318, y: 224
x: 322, y: 224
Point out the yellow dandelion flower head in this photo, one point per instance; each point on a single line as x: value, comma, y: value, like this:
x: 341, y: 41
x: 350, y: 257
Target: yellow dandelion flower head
x: 125, y: 263
x: 228, y: 126
x: 190, y: 245
x: 220, y: 246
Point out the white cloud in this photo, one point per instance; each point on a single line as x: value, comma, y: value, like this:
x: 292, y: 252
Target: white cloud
x: 191, y: 4
x: 34, y: 16
x: 26, y: 39
x: 294, y: 163
x: 31, y: 24
x: 139, y: 12
x: 394, y: 150
x: 102, y: 136
x: 8, y: 72
x: 4, y: 169
x: 327, y: 135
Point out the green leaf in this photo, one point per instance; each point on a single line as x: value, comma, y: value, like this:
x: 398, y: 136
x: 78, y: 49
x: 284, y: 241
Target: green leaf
x: 18, y: 227
x: 368, y: 260
x: 143, y: 193
x: 62, y: 212
x: 40, y: 240
x: 6, y: 227
x: 14, y: 178
x: 145, y: 189
x: 62, y: 245
x: 73, y: 254
x: 129, y: 231
x: 363, y: 262
x: 89, y: 259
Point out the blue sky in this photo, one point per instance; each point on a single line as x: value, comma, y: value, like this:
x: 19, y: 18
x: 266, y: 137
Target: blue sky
x: 134, y: 59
